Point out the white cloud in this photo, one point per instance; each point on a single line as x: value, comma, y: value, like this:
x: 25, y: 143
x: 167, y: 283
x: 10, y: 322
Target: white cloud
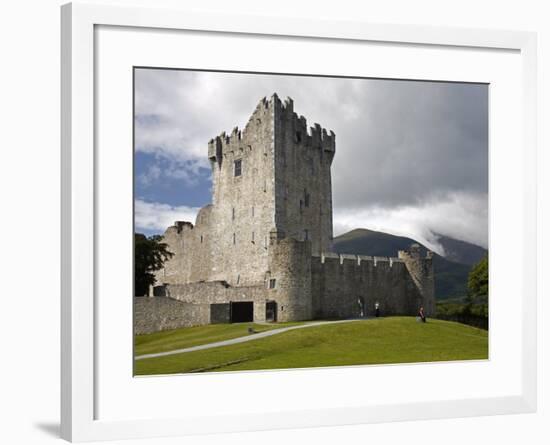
x: 155, y: 216
x: 459, y: 215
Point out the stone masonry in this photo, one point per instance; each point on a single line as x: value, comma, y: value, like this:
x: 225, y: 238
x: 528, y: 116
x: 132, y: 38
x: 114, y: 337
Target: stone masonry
x: 265, y: 241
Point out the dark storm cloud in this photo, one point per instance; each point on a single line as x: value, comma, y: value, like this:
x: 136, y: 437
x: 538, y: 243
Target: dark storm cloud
x: 412, y: 142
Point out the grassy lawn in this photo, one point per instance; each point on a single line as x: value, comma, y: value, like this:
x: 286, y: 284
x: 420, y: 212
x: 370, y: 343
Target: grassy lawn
x: 199, y: 335
x: 375, y: 341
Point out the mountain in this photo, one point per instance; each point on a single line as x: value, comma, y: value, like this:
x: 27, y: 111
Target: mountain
x: 451, y: 277
x: 461, y: 251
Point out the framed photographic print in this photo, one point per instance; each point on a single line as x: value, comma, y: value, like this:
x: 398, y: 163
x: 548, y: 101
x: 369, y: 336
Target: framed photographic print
x: 262, y: 217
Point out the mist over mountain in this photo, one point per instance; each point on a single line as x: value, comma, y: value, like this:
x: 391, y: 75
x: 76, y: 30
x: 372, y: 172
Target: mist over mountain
x: 461, y: 251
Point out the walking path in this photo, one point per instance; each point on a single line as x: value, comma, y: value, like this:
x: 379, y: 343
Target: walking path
x: 237, y: 340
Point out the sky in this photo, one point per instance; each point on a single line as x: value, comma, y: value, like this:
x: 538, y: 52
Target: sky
x: 411, y: 156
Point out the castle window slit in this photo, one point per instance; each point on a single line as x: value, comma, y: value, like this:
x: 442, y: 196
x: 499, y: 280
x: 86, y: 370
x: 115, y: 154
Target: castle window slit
x: 238, y: 167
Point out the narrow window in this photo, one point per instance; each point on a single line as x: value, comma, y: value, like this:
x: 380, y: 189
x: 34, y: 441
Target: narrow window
x: 201, y: 239
x: 306, y: 235
x: 252, y: 211
x: 301, y: 205
x: 252, y: 237
x: 238, y: 279
x: 298, y: 137
x: 272, y: 283
x: 306, y: 199
x: 238, y: 167
x: 233, y: 213
x: 234, y: 239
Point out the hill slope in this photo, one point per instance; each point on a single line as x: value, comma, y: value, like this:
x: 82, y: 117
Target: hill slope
x: 450, y: 277
x: 375, y: 341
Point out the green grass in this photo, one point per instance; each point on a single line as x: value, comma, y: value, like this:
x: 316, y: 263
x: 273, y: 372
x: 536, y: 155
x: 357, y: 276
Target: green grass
x: 375, y: 341
x: 199, y: 335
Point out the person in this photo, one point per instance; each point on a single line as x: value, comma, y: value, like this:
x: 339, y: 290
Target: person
x: 422, y: 315
x: 377, y: 309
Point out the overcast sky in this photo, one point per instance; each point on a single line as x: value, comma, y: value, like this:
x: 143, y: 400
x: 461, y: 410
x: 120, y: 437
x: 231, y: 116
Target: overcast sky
x: 411, y: 157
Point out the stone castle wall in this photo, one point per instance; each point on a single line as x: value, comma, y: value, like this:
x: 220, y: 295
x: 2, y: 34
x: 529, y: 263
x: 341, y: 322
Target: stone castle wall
x: 152, y: 314
x: 218, y: 292
x: 346, y: 286
x: 306, y: 287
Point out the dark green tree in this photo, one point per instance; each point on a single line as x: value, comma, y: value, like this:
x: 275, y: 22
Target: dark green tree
x: 478, y: 280
x: 150, y: 253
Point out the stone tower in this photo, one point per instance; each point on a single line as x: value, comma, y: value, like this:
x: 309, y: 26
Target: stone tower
x: 422, y: 273
x: 271, y: 180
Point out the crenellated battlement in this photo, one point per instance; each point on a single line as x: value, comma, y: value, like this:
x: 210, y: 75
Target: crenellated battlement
x: 181, y: 226
x: 358, y: 260
x: 263, y: 119
x: 239, y: 140
x: 313, y: 137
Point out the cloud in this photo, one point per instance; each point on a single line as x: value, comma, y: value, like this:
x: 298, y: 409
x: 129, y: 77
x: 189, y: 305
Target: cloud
x: 150, y: 176
x: 459, y: 215
x: 421, y: 146
x: 157, y: 217
x: 162, y: 168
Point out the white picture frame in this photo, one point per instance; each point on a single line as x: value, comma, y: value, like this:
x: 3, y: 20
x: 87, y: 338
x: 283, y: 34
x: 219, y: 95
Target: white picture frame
x: 79, y: 399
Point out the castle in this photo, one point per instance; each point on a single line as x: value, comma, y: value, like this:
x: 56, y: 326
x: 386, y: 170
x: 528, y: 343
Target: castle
x: 262, y: 250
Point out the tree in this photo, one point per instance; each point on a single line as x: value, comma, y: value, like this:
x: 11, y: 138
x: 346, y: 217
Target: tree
x: 478, y: 280
x: 150, y: 253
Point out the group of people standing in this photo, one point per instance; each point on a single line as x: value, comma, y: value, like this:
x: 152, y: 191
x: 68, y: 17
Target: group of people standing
x: 420, y: 317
